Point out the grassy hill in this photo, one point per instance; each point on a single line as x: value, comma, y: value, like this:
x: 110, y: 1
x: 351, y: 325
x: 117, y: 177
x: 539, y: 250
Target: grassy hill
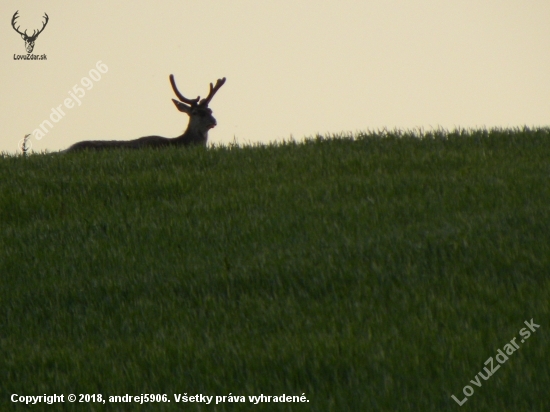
x: 373, y: 272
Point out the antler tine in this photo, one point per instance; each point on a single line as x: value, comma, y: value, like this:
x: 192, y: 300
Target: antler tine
x: 213, y: 90
x: 192, y: 102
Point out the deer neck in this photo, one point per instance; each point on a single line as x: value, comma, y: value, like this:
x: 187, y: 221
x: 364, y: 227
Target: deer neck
x: 194, y: 137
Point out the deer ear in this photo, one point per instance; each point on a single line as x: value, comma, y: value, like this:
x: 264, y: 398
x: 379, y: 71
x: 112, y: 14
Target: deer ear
x: 182, y: 107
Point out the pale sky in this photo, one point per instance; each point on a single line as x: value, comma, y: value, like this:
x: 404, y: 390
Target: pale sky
x: 293, y: 67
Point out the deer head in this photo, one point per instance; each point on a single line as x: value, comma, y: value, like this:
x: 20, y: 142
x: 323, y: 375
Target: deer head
x: 29, y: 40
x: 200, y: 116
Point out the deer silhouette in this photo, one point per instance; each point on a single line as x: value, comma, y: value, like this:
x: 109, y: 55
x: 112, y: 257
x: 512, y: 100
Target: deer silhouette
x: 200, y: 122
x: 29, y: 40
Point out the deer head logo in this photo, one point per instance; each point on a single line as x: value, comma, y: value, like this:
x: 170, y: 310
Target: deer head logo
x: 29, y: 40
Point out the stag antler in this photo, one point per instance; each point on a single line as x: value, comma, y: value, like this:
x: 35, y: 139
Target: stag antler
x: 15, y: 16
x: 34, y: 33
x: 213, y: 89
x: 43, y: 26
x: 192, y: 102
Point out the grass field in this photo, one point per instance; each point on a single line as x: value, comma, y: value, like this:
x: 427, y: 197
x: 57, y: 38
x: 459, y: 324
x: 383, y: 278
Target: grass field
x: 370, y: 273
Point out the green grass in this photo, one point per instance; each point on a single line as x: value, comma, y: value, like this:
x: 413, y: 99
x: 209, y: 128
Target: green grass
x: 372, y: 273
